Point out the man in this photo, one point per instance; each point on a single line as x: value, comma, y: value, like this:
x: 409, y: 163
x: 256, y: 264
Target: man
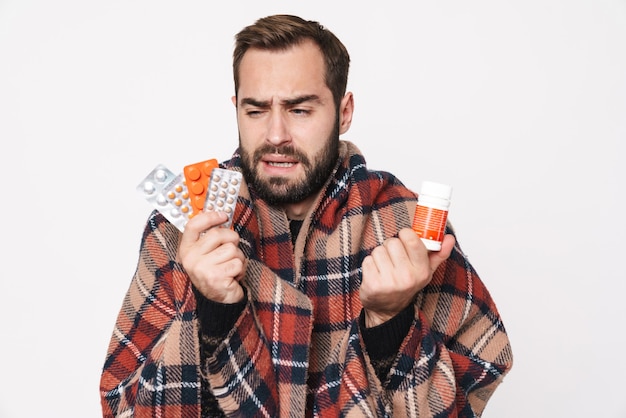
x: 320, y: 300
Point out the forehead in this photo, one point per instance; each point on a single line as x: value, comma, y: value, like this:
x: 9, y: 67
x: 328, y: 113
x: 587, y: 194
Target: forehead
x: 299, y: 69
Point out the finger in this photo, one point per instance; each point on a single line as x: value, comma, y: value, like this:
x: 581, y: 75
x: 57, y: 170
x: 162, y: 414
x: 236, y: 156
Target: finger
x: 244, y: 267
x: 234, y: 268
x: 438, y: 257
x: 414, y: 247
x: 397, y: 252
x: 222, y: 253
x: 203, y: 222
x: 381, y: 259
x: 369, y: 266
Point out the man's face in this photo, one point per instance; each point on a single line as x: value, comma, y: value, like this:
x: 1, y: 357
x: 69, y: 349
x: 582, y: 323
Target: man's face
x: 288, y: 124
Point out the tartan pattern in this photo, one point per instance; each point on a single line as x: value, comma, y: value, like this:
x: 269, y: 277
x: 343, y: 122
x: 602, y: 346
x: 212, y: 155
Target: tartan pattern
x: 296, y: 349
x: 146, y: 373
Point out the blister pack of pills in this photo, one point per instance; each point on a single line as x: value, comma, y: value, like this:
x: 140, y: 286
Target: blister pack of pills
x: 197, y: 177
x: 168, y: 194
x: 222, y: 193
x: 201, y: 187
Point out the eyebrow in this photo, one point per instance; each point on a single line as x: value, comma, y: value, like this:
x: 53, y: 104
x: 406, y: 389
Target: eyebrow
x: 288, y: 102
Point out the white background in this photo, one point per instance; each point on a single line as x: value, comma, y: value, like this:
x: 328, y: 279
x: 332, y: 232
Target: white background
x: 520, y: 105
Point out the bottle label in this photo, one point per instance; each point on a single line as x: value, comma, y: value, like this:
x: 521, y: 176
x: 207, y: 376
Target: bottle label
x: 430, y: 223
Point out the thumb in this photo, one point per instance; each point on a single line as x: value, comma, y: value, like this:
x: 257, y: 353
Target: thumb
x: 438, y: 257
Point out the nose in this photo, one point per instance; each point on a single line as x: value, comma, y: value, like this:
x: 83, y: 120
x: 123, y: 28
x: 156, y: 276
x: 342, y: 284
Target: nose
x: 277, y: 130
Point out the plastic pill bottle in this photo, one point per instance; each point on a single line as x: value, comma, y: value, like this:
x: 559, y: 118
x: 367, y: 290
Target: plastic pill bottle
x: 431, y: 213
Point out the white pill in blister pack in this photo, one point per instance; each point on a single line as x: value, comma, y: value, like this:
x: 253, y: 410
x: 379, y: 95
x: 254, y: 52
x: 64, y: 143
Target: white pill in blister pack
x: 168, y: 194
x: 222, y: 193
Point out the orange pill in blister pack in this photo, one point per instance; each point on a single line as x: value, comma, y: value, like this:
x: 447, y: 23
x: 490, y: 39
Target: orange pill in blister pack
x: 168, y: 194
x: 197, y: 178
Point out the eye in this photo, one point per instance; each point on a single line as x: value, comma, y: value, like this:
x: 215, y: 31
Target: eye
x: 299, y: 111
x: 254, y: 113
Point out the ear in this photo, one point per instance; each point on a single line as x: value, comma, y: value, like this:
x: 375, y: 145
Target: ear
x: 234, y: 100
x: 346, y: 109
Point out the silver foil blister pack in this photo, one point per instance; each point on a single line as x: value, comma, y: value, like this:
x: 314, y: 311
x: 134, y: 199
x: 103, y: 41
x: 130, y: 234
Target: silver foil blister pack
x: 168, y: 193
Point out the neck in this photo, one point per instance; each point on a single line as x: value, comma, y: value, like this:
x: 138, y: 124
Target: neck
x: 298, y: 211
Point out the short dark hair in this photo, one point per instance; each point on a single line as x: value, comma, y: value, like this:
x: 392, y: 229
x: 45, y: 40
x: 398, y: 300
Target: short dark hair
x: 279, y: 32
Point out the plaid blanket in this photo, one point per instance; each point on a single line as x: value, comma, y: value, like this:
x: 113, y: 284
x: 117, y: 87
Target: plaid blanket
x: 296, y: 350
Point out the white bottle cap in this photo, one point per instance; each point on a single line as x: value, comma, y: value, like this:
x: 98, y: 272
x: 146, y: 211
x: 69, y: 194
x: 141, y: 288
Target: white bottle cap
x: 438, y: 190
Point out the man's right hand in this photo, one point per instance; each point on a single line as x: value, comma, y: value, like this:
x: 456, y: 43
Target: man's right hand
x: 211, y: 257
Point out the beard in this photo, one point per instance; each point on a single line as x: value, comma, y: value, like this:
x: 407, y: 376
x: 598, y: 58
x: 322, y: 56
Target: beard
x: 280, y: 190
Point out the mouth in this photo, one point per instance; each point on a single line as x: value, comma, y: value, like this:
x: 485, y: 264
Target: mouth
x: 280, y: 164
x: 279, y: 160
